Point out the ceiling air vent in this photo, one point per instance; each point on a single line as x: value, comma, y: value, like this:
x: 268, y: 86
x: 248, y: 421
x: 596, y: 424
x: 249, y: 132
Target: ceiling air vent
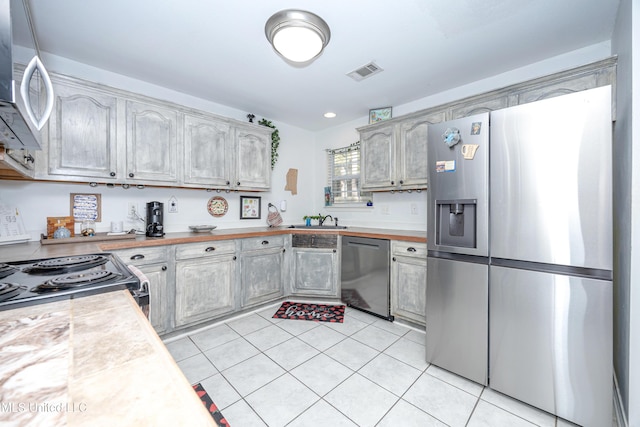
x: 365, y: 71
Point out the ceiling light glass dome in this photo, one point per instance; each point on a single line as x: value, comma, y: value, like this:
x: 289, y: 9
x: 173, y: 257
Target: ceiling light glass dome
x: 297, y: 35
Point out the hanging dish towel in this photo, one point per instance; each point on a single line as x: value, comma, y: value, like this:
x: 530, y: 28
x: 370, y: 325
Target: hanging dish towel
x: 273, y: 218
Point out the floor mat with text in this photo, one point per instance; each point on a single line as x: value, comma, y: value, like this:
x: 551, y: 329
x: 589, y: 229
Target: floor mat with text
x: 316, y: 312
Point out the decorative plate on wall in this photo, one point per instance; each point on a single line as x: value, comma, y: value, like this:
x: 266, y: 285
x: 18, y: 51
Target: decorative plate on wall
x: 217, y: 206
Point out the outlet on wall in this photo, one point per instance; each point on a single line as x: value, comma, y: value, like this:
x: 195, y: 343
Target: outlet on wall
x: 173, y: 204
x: 132, y: 210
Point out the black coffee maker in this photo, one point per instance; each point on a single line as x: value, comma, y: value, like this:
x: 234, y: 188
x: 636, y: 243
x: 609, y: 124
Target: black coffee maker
x: 155, y: 212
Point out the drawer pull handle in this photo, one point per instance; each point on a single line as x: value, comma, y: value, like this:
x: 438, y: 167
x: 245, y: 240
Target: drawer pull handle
x: 265, y: 242
x: 210, y: 249
x: 411, y: 249
x: 136, y: 257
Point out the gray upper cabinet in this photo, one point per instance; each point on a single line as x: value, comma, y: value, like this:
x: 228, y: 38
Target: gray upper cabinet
x: 106, y: 135
x: 478, y: 105
x: 412, y: 151
x: 208, y: 152
x: 378, y: 158
x: 394, y: 154
x: 253, y: 157
x: 152, y: 143
x: 83, y: 137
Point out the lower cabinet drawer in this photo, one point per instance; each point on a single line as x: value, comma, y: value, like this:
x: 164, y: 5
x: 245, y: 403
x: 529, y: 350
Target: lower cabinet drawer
x: 205, y: 249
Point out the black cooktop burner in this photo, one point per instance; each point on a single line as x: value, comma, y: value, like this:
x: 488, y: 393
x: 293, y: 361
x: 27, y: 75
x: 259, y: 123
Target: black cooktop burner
x: 9, y: 290
x: 66, y: 264
x: 6, y: 270
x: 76, y: 280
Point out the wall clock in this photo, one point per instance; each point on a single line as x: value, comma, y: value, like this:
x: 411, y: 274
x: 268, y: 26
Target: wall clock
x: 217, y: 206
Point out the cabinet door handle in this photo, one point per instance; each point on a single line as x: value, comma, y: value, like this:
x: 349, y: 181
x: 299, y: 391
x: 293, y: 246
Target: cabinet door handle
x: 210, y: 249
x: 130, y: 175
x: 164, y: 268
x: 228, y: 182
x: 335, y: 250
x: 401, y: 182
x: 392, y: 182
x: 393, y: 259
x: 265, y: 242
x: 112, y: 174
x: 238, y: 183
x: 411, y: 249
x: 234, y: 257
x: 136, y: 257
x: 284, y: 250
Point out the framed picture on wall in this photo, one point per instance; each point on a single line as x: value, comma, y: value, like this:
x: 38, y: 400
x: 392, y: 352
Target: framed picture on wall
x: 250, y: 207
x: 379, y: 114
x: 86, y: 207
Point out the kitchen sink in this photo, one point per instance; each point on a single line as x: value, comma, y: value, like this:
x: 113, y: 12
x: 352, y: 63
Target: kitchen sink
x: 319, y: 227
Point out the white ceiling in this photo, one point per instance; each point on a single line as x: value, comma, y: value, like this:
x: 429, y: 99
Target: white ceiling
x: 217, y: 50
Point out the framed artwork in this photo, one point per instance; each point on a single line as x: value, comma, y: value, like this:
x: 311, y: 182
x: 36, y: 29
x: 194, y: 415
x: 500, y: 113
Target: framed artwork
x: 249, y: 207
x: 379, y: 114
x: 86, y: 206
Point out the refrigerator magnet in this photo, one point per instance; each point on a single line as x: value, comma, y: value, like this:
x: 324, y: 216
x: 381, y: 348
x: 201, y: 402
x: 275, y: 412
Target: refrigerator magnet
x: 445, y: 166
x: 476, y: 127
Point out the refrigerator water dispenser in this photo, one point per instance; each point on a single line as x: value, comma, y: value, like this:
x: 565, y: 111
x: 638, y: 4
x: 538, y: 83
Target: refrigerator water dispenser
x: 456, y: 223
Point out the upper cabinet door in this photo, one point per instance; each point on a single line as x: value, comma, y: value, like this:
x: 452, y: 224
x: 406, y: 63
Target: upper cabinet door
x: 208, y: 152
x: 253, y: 159
x: 378, y: 157
x: 82, y: 134
x: 152, y: 143
x: 413, y: 151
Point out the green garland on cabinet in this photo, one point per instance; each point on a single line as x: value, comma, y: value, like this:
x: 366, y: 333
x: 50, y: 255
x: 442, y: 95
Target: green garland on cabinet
x: 275, y: 140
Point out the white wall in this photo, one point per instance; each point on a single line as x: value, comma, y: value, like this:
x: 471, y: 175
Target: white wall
x: 399, y: 205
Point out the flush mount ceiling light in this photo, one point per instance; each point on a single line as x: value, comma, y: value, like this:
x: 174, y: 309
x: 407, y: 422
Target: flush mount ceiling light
x: 297, y: 35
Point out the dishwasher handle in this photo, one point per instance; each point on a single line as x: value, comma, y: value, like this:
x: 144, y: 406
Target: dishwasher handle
x: 364, y: 245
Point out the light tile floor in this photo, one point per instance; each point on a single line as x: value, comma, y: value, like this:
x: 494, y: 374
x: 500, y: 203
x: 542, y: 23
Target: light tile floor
x: 366, y: 371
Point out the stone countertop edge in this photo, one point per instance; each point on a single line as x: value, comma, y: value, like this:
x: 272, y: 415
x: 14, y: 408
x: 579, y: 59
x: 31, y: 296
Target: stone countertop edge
x: 80, y: 370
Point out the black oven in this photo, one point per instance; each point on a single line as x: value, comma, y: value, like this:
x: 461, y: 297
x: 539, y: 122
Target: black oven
x: 43, y: 280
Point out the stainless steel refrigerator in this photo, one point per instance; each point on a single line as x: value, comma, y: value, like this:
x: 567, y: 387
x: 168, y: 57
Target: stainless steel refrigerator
x: 541, y: 305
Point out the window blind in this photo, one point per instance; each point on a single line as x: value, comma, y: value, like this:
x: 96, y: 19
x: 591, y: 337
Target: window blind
x: 344, y: 175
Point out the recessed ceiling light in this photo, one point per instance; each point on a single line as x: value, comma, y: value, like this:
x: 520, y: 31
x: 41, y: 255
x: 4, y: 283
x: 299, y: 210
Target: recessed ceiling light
x: 329, y: 115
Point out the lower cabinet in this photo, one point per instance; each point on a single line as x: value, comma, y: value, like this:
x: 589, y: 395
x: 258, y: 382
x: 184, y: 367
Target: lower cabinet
x: 315, y: 265
x: 409, y: 281
x: 262, y: 270
x: 154, y: 263
x: 205, y: 281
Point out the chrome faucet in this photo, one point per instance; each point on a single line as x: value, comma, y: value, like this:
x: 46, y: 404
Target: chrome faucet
x: 323, y: 219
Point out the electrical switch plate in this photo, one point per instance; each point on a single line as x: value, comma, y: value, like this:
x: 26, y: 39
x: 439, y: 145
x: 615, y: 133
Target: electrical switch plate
x: 173, y: 204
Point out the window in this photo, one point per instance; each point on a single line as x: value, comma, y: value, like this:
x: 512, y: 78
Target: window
x: 344, y: 175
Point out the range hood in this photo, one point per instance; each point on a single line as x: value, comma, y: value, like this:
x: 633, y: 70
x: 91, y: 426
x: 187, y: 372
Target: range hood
x: 25, y: 106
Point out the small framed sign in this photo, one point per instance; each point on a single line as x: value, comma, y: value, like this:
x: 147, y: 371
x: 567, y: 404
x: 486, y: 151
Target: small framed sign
x: 379, y: 114
x: 86, y: 206
x: 249, y: 207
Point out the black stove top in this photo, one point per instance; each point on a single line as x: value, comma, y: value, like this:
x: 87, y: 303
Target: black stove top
x: 44, y: 280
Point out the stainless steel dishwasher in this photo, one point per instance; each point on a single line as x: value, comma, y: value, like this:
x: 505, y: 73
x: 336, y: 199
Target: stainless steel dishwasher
x: 365, y: 275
